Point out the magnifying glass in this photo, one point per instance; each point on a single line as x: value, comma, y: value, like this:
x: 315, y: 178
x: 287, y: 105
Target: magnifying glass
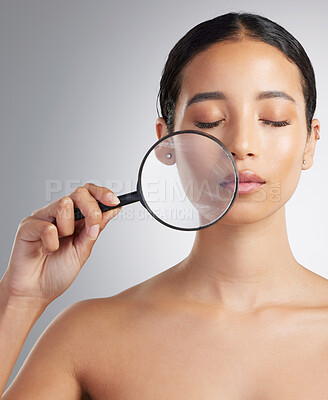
x: 187, y: 181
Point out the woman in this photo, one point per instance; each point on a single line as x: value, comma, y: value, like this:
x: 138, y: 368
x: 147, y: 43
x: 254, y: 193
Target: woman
x: 239, y: 317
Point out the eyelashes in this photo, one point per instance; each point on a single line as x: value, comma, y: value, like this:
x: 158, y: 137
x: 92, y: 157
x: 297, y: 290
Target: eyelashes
x: 209, y: 125
x: 276, y: 124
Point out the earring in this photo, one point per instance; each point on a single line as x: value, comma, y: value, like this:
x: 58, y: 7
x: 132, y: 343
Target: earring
x: 168, y: 155
x: 304, y: 162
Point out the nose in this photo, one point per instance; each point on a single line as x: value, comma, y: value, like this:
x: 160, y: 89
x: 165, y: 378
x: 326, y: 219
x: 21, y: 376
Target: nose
x: 242, y: 139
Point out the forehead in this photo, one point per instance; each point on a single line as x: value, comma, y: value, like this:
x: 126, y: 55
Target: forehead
x: 241, y: 69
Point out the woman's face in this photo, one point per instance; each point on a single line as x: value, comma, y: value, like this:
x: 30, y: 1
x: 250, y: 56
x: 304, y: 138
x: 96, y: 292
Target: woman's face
x: 245, y: 73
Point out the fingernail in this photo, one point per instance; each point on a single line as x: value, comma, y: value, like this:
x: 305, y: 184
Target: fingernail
x: 93, y: 231
x: 112, y: 198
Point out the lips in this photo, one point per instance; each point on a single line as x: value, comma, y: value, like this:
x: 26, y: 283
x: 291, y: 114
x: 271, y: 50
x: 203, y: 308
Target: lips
x: 244, y: 176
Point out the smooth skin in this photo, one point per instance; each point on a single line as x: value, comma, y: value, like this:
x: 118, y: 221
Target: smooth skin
x: 239, y: 318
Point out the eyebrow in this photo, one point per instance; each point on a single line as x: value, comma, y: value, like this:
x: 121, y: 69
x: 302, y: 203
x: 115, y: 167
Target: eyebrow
x: 268, y: 94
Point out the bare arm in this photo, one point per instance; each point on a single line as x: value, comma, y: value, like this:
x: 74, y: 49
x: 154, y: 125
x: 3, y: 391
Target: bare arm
x: 50, y: 249
x: 15, y: 324
x: 49, y: 370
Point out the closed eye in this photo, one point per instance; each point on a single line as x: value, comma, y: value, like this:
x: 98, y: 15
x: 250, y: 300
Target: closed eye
x: 209, y: 125
x: 276, y: 124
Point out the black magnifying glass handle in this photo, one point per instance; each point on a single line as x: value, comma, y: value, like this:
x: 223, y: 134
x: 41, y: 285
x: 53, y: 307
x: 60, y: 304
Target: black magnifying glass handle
x: 127, y: 198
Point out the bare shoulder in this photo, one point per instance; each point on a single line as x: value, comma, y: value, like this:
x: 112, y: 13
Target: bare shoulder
x: 104, y: 331
x: 317, y: 290
x: 107, y: 315
x: 61, y: 353
x: 309, y: 309
x: 78, y: 349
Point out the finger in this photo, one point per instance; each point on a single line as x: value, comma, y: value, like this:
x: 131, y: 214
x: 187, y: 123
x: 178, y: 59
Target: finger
x: 61, y: 213
x: 84, y: 244
x: 37, y: 230
x: 65, y: 220
x: 103, y: 194
x: 89, y: 207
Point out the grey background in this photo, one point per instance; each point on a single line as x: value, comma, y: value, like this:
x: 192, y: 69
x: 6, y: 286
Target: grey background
x: 78, y: 87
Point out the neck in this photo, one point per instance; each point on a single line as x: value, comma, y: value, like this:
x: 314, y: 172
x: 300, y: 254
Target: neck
x: 243, y: 267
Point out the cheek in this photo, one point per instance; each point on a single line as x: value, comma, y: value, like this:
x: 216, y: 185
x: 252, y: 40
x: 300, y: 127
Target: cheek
x: 284, y: 157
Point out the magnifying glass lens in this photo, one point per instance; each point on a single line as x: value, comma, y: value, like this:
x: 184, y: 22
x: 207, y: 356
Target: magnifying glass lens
x: 188, y: 180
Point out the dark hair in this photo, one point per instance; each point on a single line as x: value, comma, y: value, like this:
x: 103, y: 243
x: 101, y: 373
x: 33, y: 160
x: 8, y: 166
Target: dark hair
x: 232, y: 26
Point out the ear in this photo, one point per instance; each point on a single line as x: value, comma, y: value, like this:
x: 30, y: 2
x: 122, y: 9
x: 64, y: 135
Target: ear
x: 310, y: 144
x: 161, y: 128
x: 163, y: 152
